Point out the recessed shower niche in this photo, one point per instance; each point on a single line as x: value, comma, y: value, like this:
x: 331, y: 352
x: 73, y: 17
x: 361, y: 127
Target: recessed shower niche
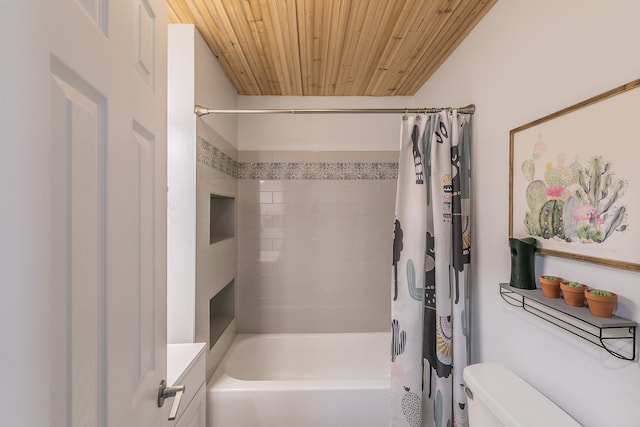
x: 221, y: 218
x: 221, y: 312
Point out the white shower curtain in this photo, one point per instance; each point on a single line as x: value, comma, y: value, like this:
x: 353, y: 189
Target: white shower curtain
x: 431, y: 262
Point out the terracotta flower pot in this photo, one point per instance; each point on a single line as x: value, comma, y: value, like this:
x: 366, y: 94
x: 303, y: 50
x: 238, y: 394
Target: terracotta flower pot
x: 601, y: 306
x: 573, y: 295
x: 550, y: 288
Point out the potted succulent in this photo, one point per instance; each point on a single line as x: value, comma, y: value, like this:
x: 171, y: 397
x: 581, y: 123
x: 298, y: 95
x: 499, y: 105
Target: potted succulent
x: 601, y: 303
x: 573, y: 293
x: 550, y: 285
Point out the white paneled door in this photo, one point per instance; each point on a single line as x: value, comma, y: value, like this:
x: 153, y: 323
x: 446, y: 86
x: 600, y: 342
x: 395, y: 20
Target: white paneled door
x: 95, y: 71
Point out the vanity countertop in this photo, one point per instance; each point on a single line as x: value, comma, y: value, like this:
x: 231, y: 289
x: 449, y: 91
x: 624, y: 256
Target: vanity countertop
x: 180, y: 357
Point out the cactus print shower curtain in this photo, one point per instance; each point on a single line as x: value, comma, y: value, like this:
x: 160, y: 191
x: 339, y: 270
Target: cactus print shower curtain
x: 431, y: 262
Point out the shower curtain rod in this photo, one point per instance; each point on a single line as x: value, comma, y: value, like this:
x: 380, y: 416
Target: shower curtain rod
x: 202, y: 111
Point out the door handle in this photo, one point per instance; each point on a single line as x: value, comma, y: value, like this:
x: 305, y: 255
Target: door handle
x: 165, y: 392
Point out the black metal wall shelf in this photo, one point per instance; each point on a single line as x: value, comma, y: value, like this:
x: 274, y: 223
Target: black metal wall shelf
x: 600, y: 331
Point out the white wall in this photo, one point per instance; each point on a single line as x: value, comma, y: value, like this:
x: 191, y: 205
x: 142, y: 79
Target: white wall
x: 523, y: 61
x: 197, y: 270
x: 319, y: 132
x: 181, y: 154
x: 213, y: 89
x: 25, y: 226
x: 216, y: 264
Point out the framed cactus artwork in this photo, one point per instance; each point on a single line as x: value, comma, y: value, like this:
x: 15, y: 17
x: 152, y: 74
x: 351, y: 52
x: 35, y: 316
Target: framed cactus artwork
x: 574, y: 180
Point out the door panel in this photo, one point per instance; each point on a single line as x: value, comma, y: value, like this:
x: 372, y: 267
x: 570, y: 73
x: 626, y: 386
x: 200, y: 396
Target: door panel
x: 145, y: 331
x: 77, y: 189
x: 108, y: 141
x: 96, y: 9
x: 145, y: 42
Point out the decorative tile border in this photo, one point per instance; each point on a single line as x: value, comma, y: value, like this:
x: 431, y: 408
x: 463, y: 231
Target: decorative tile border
x: 318, y: 171
x: 213, y: 157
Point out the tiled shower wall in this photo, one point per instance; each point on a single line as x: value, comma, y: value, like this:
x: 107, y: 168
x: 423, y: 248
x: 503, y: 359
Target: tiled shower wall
x: 315, y: 234
x: 217, y: 174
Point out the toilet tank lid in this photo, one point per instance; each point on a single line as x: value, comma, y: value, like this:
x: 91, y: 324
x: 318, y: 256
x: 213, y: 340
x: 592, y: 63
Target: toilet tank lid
x: 511, y: 399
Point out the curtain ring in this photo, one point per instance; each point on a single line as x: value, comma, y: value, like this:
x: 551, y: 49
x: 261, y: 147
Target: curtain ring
x: 406, y: 116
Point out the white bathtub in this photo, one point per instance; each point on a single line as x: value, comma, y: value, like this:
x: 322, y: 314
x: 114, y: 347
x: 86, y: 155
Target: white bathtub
x: 302, y: 380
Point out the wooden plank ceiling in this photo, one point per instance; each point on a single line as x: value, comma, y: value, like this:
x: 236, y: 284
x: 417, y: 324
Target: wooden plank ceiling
x: 330, y: 47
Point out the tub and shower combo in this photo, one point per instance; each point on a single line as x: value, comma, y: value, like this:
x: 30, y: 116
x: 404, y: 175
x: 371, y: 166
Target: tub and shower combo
x: 309, y: 380
x: 342, y: 380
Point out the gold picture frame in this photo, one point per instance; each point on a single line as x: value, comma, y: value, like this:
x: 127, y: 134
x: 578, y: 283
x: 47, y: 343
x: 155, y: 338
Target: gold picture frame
x: 574, y: 180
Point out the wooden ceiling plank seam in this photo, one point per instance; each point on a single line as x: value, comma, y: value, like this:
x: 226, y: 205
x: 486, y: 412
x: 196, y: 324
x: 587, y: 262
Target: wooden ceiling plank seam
x: 207, y: 31
x: 337, y: 35
x: 365, y: 44
x: 292, y: 48
x: 285, y: 41
x: 304, y: 11
x: 244, y: 23
x: 257, y: 24
x: 378, y: 26
x: 338, y: 38
x: 427, y: 51
x: 449, y: 37
x: 179, y: 12
x: 173, y: 16
x: 323, y: 44
x: 401, y: 21
x: 428, y: 68
x: 436, y: 18
x: 309, y: 6
x: 319, y: 17
x: 198, y: 13
x: 248, y: 21
x: 285, y: 13
x: 443, y: 15
x: 370, y: 69
x: 394, y: 16
x: 274, y: 36
x: 471, y: 19
x: 279, y: 38
x: 323, y: 38
x: 314, y: 47
x: 239, y: 25
x: 210, y: 32
x: 399, y: 46
x: 302, y: 41
x: 398, y: 68
x: 230, y: 49
x: 335, y: 39
x: 353, y: 31
x: 329, y: 43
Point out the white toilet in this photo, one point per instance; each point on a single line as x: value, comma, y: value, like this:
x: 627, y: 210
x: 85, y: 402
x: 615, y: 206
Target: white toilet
x: 499, y: 398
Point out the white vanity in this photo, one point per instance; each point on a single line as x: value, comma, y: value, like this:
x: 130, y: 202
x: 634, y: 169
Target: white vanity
x: 186, y: 365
